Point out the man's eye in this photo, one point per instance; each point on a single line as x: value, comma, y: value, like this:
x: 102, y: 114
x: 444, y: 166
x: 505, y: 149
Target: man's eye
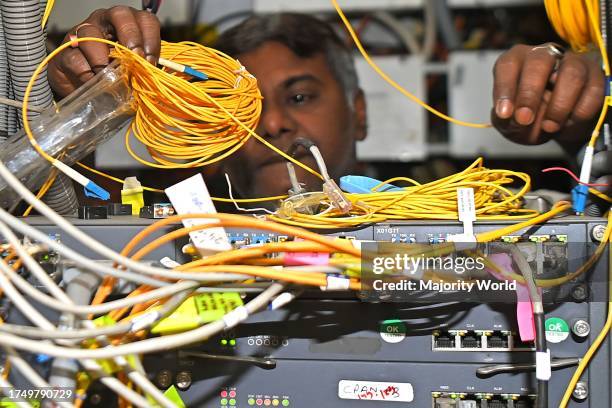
x: 299, y: 99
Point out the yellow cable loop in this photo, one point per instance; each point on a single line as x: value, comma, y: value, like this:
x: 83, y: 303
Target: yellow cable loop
x: 394, y: 84
x: 434, y: 200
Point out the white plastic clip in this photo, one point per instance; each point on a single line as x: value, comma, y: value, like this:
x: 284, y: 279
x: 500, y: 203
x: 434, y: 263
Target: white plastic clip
x: 281, y: 300
x: 543, y: 370
x: 336, y: 283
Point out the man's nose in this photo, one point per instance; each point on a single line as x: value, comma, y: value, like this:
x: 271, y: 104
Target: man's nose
x: 275, y: 122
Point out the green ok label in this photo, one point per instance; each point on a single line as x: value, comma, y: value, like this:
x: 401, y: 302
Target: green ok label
x: 557, y: 330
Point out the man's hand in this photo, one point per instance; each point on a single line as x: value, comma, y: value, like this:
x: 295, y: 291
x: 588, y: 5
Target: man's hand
x: 137, y: 30
x: 538, y: 95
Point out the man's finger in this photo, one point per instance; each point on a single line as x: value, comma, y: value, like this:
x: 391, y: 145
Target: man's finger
x: 150, y: 29
x: 572, y: 76
x: 506, y: 73
x: 535, y: 74
x: 123, y: 21
x: 592, y: 98
x: 75, y: 66
x: 95, y: 53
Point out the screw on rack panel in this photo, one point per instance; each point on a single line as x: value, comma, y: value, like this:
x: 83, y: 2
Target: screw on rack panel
x: 183, y: 380
x: 598, y: 232
x: 580, y: 293
x: 581, y: 328
x: 164, y: 379
x: 581, y: 391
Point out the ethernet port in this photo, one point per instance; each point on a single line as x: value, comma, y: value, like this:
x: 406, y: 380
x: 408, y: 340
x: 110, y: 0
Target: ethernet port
x: 497, y: 339
x: 525, y: 402
x: 443, y: 340
x: 445, y: 403
x: 495, y: 402
x: 470, y: 340
x: 467, y: 404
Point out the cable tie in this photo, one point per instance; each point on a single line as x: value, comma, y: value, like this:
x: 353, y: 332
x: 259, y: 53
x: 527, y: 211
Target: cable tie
x: 144, y: 321
x: 240, y: 72
x: 543, y: 369
x: 235, y: 316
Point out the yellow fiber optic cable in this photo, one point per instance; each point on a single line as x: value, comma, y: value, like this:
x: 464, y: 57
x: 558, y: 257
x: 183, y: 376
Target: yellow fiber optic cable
x: 586, y: 359
x: 394, y: 84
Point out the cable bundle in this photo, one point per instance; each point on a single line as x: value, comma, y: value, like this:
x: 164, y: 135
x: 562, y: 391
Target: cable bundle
x: 180, y: 120
x: 435, y: 200
x: 570, y: 18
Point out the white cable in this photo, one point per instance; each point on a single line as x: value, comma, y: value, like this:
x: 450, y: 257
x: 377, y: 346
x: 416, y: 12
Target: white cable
x: 407, y: 36
x: 82, y: 237
x: 103, y: 308
x: 32, y: 265
x: 316, y: 153
x: 35, y: 317
x: 527, y: 273
x: 102, y: 270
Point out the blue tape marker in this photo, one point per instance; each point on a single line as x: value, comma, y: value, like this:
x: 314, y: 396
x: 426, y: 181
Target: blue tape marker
x: 364, y: 185
x: 195, y: 73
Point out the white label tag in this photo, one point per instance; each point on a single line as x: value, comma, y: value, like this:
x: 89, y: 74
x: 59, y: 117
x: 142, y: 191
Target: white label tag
x: 466, y: 209
x: 191, y: 196
x: 375, y: 391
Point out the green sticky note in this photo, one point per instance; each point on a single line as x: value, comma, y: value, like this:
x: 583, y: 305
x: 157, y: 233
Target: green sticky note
x: 213, y: 306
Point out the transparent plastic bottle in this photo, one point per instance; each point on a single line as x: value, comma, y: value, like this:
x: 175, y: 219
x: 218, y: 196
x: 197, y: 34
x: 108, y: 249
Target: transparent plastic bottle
x: 74, y: 128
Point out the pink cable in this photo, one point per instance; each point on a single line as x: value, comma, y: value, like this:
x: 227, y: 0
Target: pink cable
x: 574, y: 177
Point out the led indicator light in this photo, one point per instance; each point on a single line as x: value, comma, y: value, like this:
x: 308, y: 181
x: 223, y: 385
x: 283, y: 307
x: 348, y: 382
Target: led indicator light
x: 285, y: 403
x: 224, y: 401
x: 232, y: 401
x: 251, y: 401
x: 259, y: 401
x: 267, y: 402
x: 232, y: 342
x: 224, y: 342
x: 232, y: 394
x: 223, y: 394
x: 275, y: 402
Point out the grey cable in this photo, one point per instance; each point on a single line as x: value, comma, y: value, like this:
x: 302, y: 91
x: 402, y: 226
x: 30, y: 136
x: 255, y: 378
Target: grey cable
x: 106, y: 252
x: 144, y: 346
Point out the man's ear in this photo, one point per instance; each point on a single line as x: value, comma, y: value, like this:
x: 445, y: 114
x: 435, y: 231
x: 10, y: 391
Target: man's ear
x: 361, y: 117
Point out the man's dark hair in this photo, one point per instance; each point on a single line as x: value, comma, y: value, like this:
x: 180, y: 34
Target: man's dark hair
x: 305, y: 35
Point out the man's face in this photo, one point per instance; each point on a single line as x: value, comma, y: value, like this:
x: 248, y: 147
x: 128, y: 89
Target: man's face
x: 302, y: 98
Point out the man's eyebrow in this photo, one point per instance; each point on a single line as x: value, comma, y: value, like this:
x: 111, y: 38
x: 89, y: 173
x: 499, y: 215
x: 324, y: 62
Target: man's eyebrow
x: 299, y: 78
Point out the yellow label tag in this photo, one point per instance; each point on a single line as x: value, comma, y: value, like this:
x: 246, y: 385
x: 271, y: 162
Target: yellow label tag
x: 198, y: 310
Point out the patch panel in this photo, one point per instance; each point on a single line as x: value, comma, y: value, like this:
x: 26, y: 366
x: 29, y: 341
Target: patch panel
x: 477, y: 340
x: 481, y: 400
